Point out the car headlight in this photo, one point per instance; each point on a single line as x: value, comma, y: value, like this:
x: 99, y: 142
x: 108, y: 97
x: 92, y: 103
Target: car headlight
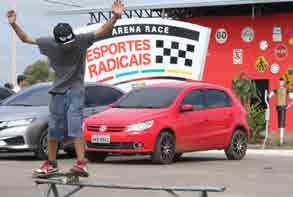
x: 16, y: 123
x: 140, y: 126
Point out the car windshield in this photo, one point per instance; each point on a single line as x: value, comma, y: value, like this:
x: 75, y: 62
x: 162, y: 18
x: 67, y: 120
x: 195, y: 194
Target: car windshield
x: 32, y: 96
x: 149, y: 97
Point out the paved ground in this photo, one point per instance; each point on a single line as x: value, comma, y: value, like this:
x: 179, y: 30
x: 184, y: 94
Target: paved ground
x: 266, y: 173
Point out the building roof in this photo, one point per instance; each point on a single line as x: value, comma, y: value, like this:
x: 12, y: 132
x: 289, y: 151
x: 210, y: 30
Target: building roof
x: 90, y: 6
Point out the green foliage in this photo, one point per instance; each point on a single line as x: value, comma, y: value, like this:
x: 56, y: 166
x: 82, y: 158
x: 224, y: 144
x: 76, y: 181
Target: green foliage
x: 244, y: 88
x: 38, y: 72
x: 256, y: 120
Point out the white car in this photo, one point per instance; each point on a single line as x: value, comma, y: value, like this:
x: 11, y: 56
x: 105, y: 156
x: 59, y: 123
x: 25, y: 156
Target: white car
x: 24, y: 116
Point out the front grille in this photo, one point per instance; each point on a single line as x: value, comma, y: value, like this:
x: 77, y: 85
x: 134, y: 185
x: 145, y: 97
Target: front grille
x: 15, y: 141
x: 108, y: 128
x: 113, y: 145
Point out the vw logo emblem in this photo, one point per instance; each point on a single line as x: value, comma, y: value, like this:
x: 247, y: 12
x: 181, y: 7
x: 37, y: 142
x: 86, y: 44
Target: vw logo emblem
x: 103, y: 128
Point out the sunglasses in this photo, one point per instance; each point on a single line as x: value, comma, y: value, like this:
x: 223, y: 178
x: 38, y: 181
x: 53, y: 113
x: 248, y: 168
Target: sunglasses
x: 65, y: 38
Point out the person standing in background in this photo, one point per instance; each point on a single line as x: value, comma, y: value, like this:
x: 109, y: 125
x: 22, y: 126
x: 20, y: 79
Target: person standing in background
x: 8, y: 86
x: 21, y: 83
x: 281, y: 107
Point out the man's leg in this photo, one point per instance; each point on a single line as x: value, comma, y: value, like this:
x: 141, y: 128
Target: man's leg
x: 281, y: 122
x: 55, y: 133
x: 52, y: 149
x: 79, y: 149
x: 80, y: 166
x: 75, y: 118
x: 50, y: 166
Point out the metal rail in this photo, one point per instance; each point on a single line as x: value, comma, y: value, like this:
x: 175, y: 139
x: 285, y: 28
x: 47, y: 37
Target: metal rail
x: 203, y: 190
x: 99, y: 16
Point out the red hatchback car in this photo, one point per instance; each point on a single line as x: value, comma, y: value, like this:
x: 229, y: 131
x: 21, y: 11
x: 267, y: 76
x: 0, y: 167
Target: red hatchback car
x: 166, y: 120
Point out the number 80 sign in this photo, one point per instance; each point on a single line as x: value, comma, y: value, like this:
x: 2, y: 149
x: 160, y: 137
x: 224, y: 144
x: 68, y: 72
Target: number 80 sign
x: 221, y: 36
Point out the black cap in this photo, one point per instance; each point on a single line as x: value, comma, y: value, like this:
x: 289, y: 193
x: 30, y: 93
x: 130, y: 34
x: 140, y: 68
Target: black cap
x: 20, y: 78
x: 63, y: 33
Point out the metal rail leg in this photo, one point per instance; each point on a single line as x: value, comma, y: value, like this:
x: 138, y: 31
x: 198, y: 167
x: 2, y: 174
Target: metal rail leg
x: 172, y: 193
x: 203, y: 194
x: 73, y: 191
x: 54, y: 190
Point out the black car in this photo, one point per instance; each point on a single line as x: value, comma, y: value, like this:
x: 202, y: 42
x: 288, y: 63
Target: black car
x: 24, y: 116
x: 4, y: 93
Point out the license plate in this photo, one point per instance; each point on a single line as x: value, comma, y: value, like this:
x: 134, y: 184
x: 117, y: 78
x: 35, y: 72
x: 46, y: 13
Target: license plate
x: 101, y: 139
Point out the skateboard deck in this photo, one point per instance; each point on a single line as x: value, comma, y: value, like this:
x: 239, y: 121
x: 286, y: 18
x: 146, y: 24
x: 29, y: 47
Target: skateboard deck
x: 64, y: 177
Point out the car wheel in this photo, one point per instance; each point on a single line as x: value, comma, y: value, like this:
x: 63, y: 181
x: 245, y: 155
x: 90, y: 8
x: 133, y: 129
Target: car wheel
x: 238, y: 146
x: 96, y: 156
x: 42, y: 148
x: 165, y: 149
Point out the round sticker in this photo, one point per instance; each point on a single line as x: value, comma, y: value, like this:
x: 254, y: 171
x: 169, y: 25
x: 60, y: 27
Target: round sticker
x: 247, y: 34
x: 281, y: 51
x: 221, y: 36
x: 263, y: 45
x: 275, y: 68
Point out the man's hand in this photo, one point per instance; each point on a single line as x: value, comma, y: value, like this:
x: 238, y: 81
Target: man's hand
x: 117, y: 8
x: 11, y: 16
x: 290, y: 105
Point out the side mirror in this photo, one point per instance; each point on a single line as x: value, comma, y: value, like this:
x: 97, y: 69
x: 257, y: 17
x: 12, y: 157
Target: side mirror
x: 186, y: 107
x: 111, y: 105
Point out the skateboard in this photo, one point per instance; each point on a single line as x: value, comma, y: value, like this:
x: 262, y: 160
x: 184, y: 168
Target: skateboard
x: 64, y: 177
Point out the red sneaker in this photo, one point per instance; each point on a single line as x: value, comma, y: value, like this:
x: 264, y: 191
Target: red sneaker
x: 80, y: 168
x: 47, y: 168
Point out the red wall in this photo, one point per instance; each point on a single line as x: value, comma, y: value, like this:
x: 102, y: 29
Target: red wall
x: 219, y: 65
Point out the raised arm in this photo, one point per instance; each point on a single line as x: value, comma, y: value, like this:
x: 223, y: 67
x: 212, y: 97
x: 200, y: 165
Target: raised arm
x: 117, y: 9
x: 11, y: 16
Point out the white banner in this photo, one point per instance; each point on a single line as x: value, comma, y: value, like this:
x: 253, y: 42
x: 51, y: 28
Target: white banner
x: 139, y: 50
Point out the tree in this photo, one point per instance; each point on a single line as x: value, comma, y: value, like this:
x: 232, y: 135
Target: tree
x: 38, y: 72
x: 245, y: 89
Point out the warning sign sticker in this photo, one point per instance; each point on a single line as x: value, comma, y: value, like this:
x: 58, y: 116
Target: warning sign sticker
x: 261, y: 64
x: 289, y: 78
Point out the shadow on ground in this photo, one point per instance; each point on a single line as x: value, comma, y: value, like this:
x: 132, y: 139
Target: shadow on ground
x: 115, y: 160
x: 145, y: 160
x: 20, y: 156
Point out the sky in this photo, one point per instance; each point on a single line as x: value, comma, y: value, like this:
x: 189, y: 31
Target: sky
x: 33, y: 17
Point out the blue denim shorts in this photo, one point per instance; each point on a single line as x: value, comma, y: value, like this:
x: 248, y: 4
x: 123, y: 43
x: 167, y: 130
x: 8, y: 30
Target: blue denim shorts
x: 66, y: 114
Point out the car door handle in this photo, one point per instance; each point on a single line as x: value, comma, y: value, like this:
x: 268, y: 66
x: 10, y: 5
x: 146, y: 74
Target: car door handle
x: 229, y: 114
x: 202, y: 121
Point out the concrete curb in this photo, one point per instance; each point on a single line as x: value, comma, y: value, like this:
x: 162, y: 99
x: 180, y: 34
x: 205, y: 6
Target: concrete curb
x: 259, y: 146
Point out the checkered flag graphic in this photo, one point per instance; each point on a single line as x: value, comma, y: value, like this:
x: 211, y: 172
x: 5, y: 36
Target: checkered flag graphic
x: 175, y: 53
